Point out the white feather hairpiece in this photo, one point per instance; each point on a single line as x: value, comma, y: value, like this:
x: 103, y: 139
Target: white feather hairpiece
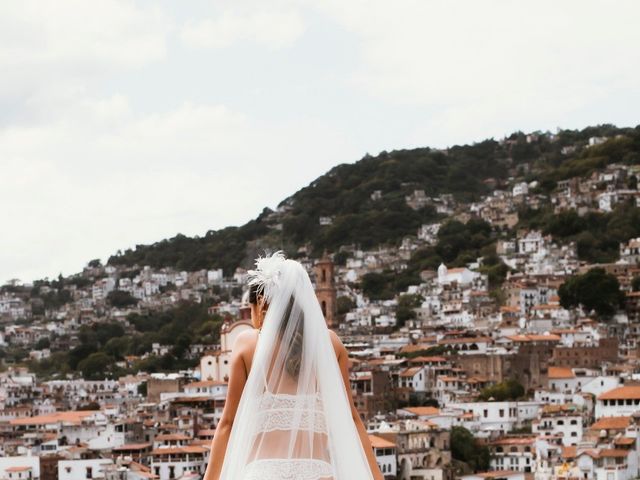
x: 267, y: 273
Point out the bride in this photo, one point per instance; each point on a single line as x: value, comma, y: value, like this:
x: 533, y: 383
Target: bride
x: 289, y: 414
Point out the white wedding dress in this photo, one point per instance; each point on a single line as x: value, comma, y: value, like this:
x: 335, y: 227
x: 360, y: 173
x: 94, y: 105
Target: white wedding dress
x: 275, y: 415
x: 294, y: 420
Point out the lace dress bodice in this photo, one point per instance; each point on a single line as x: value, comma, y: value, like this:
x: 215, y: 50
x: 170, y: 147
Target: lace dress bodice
x: 282, y: 411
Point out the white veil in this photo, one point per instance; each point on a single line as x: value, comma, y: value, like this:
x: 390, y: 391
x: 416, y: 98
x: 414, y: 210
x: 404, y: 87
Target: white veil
x: 294, y: 419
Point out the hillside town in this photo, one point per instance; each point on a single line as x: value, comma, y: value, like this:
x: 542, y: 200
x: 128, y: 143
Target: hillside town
x: 534, y: 386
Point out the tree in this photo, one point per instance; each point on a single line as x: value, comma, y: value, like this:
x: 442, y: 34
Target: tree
x: 43, y: 343
x: 345, y: 304
x: 405, y: 308
x: 509, y: 389
x: 142, y: 389
x: 118, y: 347
x: 466, y: 448
x: 95, y: 263
x: 594, y: 290
x: 95, y: 366
x: 121, y: 299
x: 376, y: 286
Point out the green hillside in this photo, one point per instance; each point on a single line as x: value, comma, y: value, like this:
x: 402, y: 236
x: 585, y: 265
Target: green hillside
x: 344, y: 193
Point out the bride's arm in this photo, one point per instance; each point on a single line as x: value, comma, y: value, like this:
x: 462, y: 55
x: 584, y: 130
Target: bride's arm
x: 343, y: 361
x: 237, y: 379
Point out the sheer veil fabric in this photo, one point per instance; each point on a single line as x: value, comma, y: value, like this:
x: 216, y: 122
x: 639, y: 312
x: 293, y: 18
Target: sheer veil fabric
x: 293, y: 419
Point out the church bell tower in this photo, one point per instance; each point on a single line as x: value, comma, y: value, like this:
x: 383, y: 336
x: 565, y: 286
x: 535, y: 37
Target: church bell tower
x: 326, y: 290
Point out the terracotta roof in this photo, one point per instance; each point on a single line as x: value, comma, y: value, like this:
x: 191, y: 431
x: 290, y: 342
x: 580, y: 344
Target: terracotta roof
x: 560, y: 372
x: 613, y: 452
x: 379, y: 442
x: 509, y: 309
x: 172, y: 436
x: 410, y: 372
x: 427, y: 359
x: 421, y: 411
x: 57, y: 417
x: 624, y: 441
x: 534, y: 338
x: 631, y: 392
x: 569, y: 452
x: 178, y: 450
x: 17, y: 469
x: 545, y: 306
x: 412, y: 348
x: 132, y: 446
x: 611, y: 423
x: 514, y: 441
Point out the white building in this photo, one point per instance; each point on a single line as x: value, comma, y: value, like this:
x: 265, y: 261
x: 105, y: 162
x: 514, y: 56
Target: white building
x: 620, y: 402
x: 462, y: 276
x: 215, y: 366
x: 630, y: 252
x: 83, y: 469
x: 561, y: 421
x: 215, y: 276
x: 513, y: 453
x: 385, y: 453
x: 531, y: 242
x: 19, y: 467
x: 414, y: 378
x: 520, y: 189
x: 174, y: 462
x: 500, y: 417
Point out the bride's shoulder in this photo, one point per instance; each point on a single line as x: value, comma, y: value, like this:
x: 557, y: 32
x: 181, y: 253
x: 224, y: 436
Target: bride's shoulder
x: 338, y: 346
x: 246, y: 339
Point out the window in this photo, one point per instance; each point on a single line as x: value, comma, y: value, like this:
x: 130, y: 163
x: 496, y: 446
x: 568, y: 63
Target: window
x: 89, y: 472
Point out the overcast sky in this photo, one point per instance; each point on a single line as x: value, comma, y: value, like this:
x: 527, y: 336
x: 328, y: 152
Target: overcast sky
x: 125, y: 122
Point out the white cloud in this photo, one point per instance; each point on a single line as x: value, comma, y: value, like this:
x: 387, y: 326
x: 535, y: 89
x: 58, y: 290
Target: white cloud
x: 493, y: 62
x: 105, y: 177
x: 60, y: 44
x: 272, y: 29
